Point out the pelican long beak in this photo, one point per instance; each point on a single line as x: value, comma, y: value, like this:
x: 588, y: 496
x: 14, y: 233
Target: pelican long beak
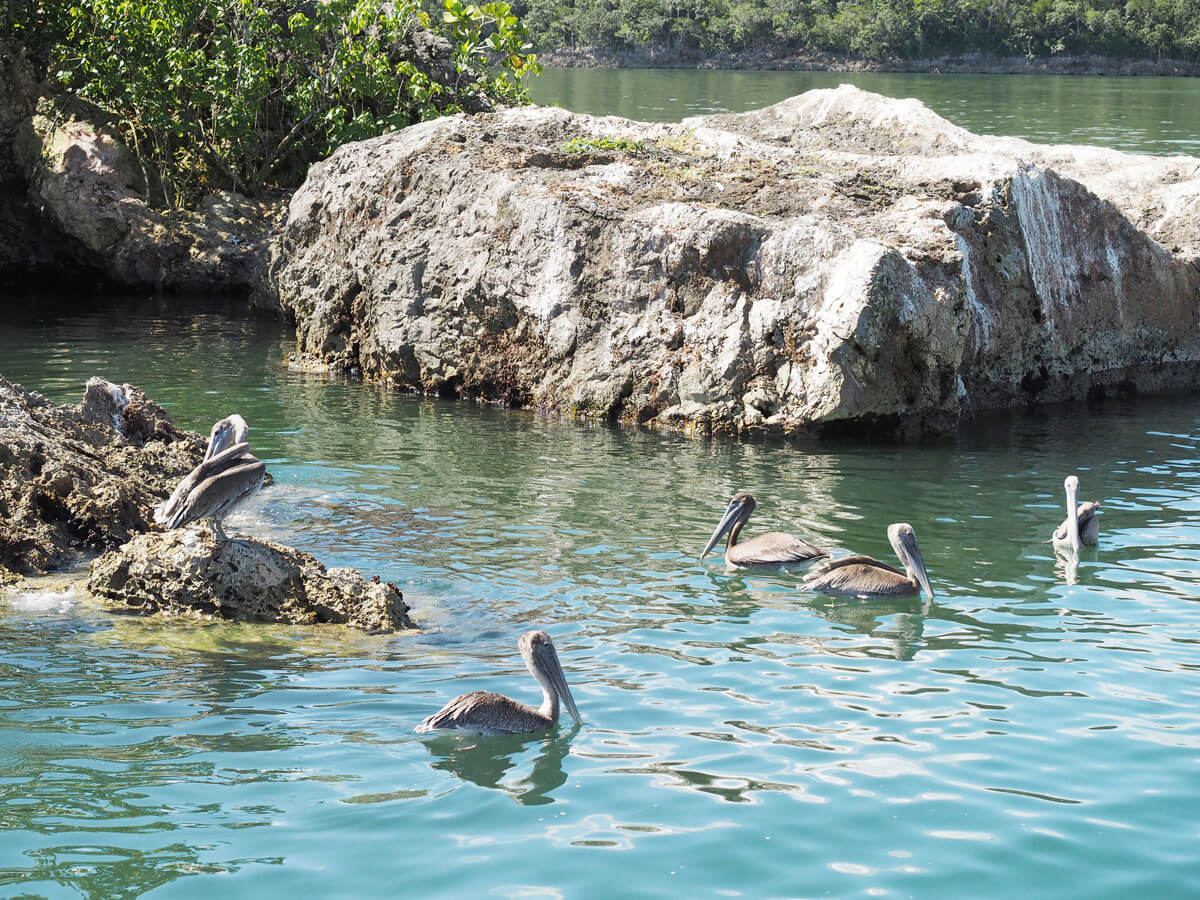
x: 220, y: 439
x: 559, y: 681
x: 917, y: 562
x: 1073, y: 516
x: 727, y: 520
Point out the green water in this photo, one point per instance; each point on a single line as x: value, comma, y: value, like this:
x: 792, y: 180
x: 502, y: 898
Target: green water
x: 1146, y: 115
x: 1020, y: 735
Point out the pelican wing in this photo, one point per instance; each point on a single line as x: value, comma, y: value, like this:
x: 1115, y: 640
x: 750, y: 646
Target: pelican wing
x: 1089, y: 522
x: 859, y: 575
x: 215, y: 494
x: 773, y: 548
x: 485, y: 712
x: 170, y: 508
x: 1088, y: 515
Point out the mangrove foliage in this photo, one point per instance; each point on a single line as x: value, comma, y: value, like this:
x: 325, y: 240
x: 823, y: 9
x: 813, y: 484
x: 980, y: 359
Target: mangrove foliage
x: 244, y: 94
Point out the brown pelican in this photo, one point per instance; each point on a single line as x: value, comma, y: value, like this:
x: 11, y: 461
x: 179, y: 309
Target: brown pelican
x: 1082, y: 524
x: 774, y: 548
x: 227, y: 477
x: 865, y: 576
x: 483, y: 712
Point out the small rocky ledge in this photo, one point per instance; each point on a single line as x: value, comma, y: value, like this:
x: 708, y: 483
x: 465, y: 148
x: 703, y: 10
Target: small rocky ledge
x: 75, y: 202
x: 80, y: 479
x: 187, y: 572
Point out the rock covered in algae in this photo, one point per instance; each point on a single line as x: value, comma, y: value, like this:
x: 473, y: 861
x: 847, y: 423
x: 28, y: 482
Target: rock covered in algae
x: 187, y: 572
x: 82, y: 477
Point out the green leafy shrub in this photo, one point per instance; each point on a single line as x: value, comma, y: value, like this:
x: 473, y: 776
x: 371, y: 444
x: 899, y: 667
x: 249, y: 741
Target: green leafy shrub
x: 244, y: 94
x: 601, y: 145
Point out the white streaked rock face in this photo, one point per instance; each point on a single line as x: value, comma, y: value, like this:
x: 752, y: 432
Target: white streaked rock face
x: 839, y: 259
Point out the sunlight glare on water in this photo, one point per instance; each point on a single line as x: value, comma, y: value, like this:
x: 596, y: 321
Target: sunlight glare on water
x: 1017, y: 735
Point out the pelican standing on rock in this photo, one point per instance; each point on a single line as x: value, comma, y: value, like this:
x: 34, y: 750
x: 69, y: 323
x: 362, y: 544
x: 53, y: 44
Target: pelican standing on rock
x: 227, y: 477
x: 1082, y: 524
x: 484, y: 712
x: 775, y: 548
x: 865, y: 576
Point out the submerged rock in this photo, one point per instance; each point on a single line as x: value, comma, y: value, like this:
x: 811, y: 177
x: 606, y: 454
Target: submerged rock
x: 837, y: 260
x: 187, y: 572
x: 82, y: 478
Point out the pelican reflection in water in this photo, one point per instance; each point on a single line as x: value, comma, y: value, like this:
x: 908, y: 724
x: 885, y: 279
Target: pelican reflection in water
x: 1082, y: 524
x: 492, y: 763
x: 227, y: 477
x: 865, y: 576
x: 484, y: 712
x: 775, y: 548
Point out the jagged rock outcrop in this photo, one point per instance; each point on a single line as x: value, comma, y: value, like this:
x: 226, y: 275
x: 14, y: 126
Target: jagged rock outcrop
x: 73, y: 200
x: 187, y: 572
x: 91, y: 188
x: 839, y: 259
x: 82, y: 478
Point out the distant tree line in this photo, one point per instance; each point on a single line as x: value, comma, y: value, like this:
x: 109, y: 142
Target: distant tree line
x: 874, y: 29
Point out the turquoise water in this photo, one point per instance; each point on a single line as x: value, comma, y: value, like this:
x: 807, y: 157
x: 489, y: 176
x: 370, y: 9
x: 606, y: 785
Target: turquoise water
x: 1032, y: 731
x: 1141, y: 115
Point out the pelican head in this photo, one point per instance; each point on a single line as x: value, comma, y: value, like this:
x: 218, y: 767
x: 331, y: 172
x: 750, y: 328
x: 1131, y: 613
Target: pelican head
x: 225, y: 433
x: 542, y: 661
x: 736, y: 513
x: 904, y: 542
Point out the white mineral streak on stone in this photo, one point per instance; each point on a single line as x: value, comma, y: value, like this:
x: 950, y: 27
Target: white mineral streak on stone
x: 980, y: 314
x: 1114, y: 267
x: 1051, y: 261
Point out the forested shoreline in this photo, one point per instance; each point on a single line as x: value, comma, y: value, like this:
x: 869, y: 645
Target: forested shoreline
x: 852, y: 33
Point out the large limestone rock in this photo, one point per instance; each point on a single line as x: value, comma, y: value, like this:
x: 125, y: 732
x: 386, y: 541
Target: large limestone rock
x: 82, y: 478
x: 187, y: 572
x: 837, y: 260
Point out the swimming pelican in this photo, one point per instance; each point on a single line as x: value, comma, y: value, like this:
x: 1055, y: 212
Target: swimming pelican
x: 865, y: 576
x: 1082, y: 524
x: 775, y: 548
x: 227, y: 477
x: 483, y: 712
